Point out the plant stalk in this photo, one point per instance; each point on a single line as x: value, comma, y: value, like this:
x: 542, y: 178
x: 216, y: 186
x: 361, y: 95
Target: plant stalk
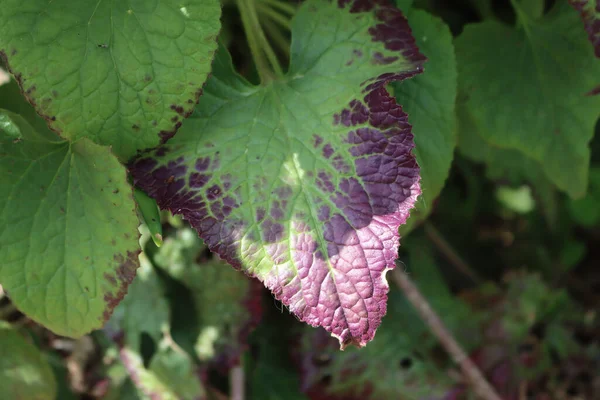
x: 237, y: 383
x: 446, y: 249
x: 274, y: 16
x: 479, y: 384
x: 253, y: 32
x: 282, y: 6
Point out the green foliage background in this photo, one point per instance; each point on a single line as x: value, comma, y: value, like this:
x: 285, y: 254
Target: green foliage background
x: 503, y: 241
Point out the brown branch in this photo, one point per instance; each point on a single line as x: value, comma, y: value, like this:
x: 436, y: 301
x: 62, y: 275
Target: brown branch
x: 446, y: 249
x: 237, y: 383
x: 480, y: 385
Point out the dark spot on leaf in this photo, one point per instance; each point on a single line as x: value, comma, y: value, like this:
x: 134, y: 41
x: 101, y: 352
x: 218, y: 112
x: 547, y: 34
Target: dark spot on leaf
x: 124, y: 276
x: 147, y: 78
x: 54, y: 94
x: 116, y: 191
x: 135, y: 127
x: 177, y: 109
x: 175, y: 119
x: 62, y: 210
x: 103, y: 46
x: 380, y: 59
x: 594, y: 91
x: 13, y: 52
x: 327, y: 150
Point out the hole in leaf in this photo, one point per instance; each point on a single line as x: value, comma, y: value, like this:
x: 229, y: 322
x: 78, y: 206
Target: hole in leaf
x: 147, y: 348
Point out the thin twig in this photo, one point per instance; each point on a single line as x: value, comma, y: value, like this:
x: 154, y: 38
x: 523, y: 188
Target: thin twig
x: 237, y: 383
x: 480, y: 385
x: 446, y: 249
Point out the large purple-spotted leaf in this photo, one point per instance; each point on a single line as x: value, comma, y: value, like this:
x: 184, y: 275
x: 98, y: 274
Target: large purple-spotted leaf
x: 590, y: 14
x: 304, y: 181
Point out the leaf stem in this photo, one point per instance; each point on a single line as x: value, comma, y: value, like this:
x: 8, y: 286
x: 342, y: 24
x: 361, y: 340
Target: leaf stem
x: 237, y: 383
x: 259, y: 45
x: 275, y: 16
x: 478, y: 382
x: 281, y: 5
x: 246, y: 8
x: 278, y: 37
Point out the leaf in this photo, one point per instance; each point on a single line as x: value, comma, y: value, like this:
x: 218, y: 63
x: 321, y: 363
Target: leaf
x: 227, y: 303
x: 538, y: 91
x: 67, y: 229
x: 501, y: 162
x: 150, y: 215
x: 303, y: 182
x: 170, y: 376
x: 24, y: 371
x: 119, y: 73
x: 585, y: 211
x: 506, y: 164
x: 272, y: 374
x: 401, y: 361
x: 145, y: 308
x: 429, y: 101
x: 590, y: 14
x: 12, y: 100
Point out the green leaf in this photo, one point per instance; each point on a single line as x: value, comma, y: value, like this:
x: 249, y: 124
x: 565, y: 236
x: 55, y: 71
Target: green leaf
x: 119, y: 73
x: 171, y: 375
x: 303, y: 182
x: 429, y: 100
x: 538, y: 91
x: 226, y: 302
x: 144, y: 309
x: 404, y: 5
x: 150, y: 215
x: 11, y: 99
x: 590, y: 14
x: 272, y: 374
x: 24, y: 371
x: 68, y: 229
x: 586, y: 211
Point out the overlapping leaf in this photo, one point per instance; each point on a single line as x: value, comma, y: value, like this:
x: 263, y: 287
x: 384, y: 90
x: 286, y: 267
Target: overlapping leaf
x: 119, y: 73
x: 539, y: 91
x: 227, y: 304
x: 24, y: 371
x: 590, y: 14
x: 429, y: 100
x: 303, y: 182
x: 67, y: 227
x: 171, y: 375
